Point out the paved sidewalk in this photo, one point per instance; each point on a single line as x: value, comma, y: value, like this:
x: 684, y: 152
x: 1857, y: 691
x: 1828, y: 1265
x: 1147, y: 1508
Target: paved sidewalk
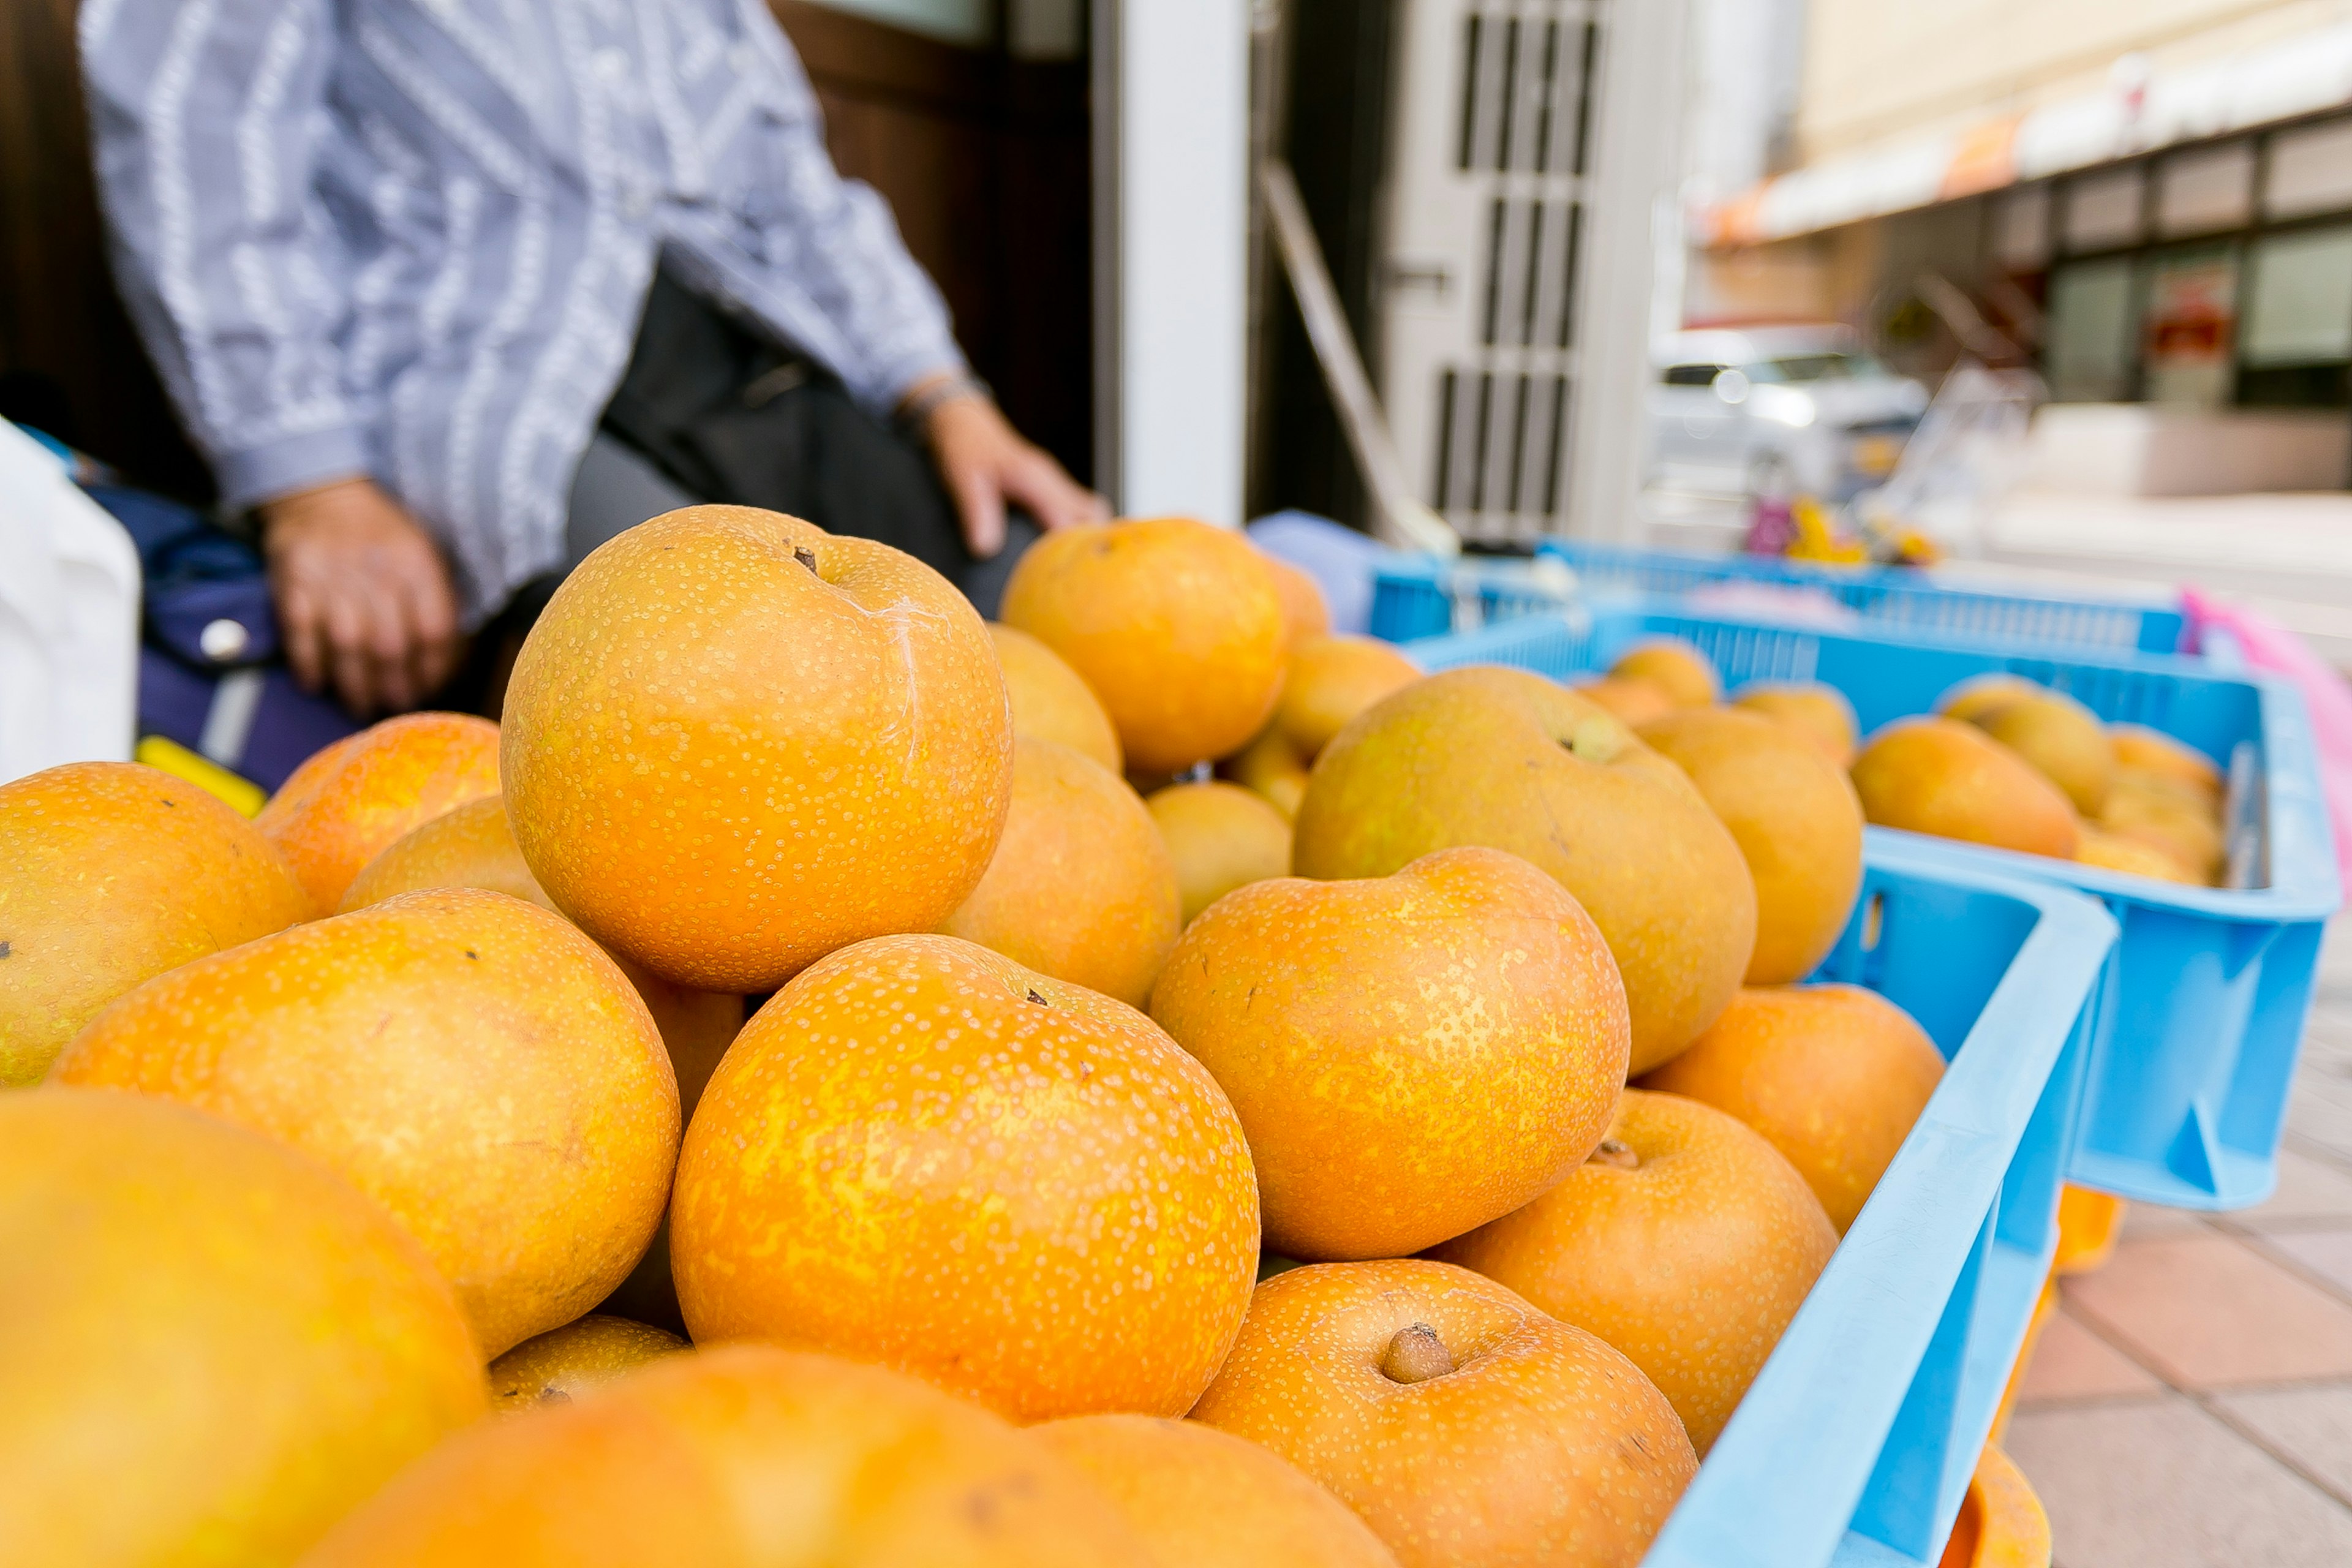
x: 2190, y: 1404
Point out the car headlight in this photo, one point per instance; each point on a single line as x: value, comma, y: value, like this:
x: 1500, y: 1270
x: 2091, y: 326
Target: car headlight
x: 1783, y: 406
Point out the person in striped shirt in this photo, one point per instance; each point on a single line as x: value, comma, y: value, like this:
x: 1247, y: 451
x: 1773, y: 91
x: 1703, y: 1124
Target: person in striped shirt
x: 449, y: 291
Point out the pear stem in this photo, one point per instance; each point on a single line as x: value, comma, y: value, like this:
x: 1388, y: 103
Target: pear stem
x: 1415, y: 1355
x: 1611, y: 1153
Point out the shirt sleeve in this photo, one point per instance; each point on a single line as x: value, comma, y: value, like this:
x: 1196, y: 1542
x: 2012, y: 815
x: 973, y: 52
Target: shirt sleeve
x: 205, y: 117
x: 833, y: 241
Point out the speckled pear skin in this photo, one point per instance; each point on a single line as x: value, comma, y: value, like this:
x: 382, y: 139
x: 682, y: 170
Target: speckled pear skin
x: 351, y: 801
x: 1082, y: 886
x: 472, y: 847
x: 1543, y: 1447
x: 1051, y: 702
x: 921, y: 1154
x: 215, y: 1347
x: 1507, y: 759
x: 746, y: 1457
x: 724, y: 760
x: 1796, y: 819
x: 1690, y: 1251
x: 564, y: 1363
x: 1206, y: 1499
x: 1411, y: 1055
x: 111, y: 873
x: 1176, y: 625
x: 471, y: 1062
x: 1833, y: 1076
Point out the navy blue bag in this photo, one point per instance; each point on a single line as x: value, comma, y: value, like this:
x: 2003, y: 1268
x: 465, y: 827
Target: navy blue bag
x: 210, y: 675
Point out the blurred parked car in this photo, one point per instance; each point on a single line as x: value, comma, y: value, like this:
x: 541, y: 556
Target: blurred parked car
x: 1777, y: 411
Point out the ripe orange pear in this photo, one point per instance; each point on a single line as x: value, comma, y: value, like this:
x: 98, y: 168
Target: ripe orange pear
x: 1467, y: 1428
x: 1973, y: 698
x: 1950, y: 779
x: 1676, y: 666
x: 1177, y: 626
x: 1271, y: 768
x: 563, y: 1364
x: 2061, y: 738
x: 2114, y: 852
x: 214, y: 1347
x: 2153, y: 751
x: 1833, y: 1076
x: 1050, y: 702
x: 1207, y: 1498
x: 109, y: 874
x: 749, y: 1456
x: 472, y: 1063
x: 1506, y: 759
x: 1410, y: 1055
x: 1331, y: 679
x: 472, y: 847
x: 921, y: 1154
x: 1220, y: 837
x: 1082, y: 887
x: 1634, y: 699
x: 1303, y: 613
x: 2189, y: 834
x: 735, y: 741
x: 341, y: 808
x: 1797, y: 821
x: 1819, y: 712
x: 1685, y: 1241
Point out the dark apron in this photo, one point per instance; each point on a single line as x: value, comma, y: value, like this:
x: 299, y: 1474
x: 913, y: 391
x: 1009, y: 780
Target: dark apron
x: 730, y: 417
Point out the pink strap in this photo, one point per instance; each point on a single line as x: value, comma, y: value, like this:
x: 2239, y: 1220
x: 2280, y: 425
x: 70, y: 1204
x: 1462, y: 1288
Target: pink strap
x: 2274, y: 651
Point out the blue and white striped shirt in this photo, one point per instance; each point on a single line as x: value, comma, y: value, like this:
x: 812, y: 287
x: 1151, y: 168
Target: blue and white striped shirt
x: 412, y: 238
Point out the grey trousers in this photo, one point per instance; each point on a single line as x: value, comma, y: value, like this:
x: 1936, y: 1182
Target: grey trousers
x: 617, y: 488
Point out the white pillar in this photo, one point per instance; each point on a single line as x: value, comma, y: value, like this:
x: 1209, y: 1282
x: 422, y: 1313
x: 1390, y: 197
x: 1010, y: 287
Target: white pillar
x: 1171, y: 244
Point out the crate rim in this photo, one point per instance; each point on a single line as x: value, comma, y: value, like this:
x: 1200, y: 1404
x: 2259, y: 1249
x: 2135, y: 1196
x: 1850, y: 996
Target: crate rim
x: 1846, y: 1381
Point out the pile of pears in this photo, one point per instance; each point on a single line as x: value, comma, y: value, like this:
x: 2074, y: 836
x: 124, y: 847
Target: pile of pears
x: 827, y: 1081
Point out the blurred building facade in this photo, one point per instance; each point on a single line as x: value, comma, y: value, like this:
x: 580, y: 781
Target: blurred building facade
x: 2149, y: 200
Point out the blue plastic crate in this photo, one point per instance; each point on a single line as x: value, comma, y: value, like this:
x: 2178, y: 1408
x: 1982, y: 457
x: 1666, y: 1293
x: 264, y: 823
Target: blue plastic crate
x: 1414, y: 596
x: 1895, y: 596
x: 2187, y: 1091
x: 1855, y: 1444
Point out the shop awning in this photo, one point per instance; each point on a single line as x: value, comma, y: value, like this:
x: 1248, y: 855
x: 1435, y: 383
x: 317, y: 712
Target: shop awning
x: 2307, y: 74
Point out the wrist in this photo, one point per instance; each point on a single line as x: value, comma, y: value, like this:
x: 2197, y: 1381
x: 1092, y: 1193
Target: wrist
x: 924, y: 401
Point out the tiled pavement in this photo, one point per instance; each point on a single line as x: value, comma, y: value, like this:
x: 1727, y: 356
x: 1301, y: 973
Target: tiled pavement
x: 2190, y: 1404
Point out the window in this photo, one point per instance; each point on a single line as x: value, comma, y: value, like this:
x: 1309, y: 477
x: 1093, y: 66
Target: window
x: 2104, y: 210
x: 2300, y: 309
x: 2311, y: 170
x: 2089, y: 352
x: 1693, y: 374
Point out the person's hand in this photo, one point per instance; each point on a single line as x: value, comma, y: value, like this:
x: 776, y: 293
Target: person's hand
x: 986, y: 464
x: 364, y: 598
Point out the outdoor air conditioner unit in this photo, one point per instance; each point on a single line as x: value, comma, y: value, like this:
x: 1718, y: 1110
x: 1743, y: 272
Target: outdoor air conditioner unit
x: 1532, y: 251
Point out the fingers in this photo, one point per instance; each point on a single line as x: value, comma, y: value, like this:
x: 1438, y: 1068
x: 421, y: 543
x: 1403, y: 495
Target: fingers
x: 979, y: 506
x: 1051, y: 496
x: 301, y: 632
x: 431, y: 612
x: 350, y: 628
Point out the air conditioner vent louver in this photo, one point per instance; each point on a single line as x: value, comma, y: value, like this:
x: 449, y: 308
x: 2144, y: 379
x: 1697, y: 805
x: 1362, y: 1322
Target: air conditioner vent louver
x: 1493, y: 147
